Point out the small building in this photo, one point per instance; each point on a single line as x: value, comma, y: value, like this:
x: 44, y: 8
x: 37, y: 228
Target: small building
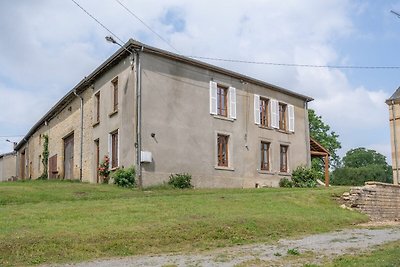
x: 8, y: 166
x: 164, y: 113
x: 394, y: 120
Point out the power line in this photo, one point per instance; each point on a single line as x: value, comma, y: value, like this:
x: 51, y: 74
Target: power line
x: 236, y: 60
x: 9, y: 136
x: 147, y: 26
x: 297, y: 65
x: 101, y: 24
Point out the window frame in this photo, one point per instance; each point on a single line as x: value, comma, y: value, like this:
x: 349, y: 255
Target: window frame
x: 97, y: 106
x: 222, y: 158
x: 265, y: 163
x: 222, y: 98
x: 284, y: 158
x: 282, y: 111
x: 264, y: 111
x: 115, y: 94
x: 114, y: 149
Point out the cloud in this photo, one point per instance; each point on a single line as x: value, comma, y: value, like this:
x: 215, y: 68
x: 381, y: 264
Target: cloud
x: 51, y: 45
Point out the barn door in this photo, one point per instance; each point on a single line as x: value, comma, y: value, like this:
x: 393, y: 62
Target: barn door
x: 22, y: 165
x: 69, y: 157
x: 53, y: 167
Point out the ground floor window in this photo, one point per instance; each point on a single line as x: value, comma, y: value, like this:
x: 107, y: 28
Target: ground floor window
x: 222, y: 143
x: 265, y: 156
x: 284, y: 158
x: 114, y: 149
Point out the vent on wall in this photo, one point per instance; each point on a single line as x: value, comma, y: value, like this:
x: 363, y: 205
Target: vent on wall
x: 146, y: 157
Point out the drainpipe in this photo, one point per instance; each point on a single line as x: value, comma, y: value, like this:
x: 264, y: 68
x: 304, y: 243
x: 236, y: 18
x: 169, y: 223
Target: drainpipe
x: 307, y: 134
x: 81, y: 144
x: 139, y: 118
x: 395, y: 145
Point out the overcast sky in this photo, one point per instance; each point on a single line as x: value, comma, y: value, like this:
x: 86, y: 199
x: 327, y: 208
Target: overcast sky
x: 48, y: 46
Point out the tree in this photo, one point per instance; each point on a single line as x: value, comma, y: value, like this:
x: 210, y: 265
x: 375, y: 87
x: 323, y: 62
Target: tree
x: 361, y: 157
x: 322, y: 133
x: 361, y: 165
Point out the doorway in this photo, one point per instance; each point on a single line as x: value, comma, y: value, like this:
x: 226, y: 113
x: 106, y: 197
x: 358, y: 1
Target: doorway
x: 69, y: 157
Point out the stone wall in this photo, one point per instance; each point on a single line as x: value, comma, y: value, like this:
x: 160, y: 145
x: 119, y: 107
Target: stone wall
x: 379, y: 201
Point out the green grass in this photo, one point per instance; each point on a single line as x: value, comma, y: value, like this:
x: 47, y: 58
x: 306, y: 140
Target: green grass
x: 384, y: 256
x: 52, y: 221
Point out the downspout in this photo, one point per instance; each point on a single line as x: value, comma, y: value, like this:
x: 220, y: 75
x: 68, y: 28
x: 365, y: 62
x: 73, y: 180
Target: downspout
x: 395, y: 145
x: 81, y: 144
x: 139, y: 118
x: 307, y: 133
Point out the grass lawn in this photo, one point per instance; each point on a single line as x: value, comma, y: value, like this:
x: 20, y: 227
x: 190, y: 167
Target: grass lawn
x: 385, y: 256
x: 53, y: 221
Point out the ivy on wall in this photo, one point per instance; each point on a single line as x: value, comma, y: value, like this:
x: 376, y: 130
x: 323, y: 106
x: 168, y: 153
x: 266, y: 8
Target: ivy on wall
x: 45, y: 157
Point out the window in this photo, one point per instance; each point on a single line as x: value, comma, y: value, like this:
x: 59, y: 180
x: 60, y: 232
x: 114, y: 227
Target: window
x: 222, y: 99
x: 114, y: 146
x: 115, y: 93
x: 264, y: 111
x: 265, y: 156
x: 284, y: 158
x: 97, y: 107
x: 222, y: 143
x: 282, y: 116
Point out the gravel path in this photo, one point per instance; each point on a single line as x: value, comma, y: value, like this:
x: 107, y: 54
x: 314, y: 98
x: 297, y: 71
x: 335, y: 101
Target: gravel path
x: 318, y: 248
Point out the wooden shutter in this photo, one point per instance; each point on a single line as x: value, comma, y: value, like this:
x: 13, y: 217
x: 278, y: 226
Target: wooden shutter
x: 232, y: 102
x: 213, y: 97
x: 274, y: 113
x: 118, y: 154
x: 291, y: 117
x: 257, y: 109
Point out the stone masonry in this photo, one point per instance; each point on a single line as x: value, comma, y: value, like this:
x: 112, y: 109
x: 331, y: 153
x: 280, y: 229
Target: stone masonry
x: 380, y: 201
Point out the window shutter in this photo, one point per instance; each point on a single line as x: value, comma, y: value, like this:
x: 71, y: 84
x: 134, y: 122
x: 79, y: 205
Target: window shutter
x: 110, y: 149
x: 274, y: 113
x: 257, y: 109
x: 213, y: 97
x: 232, y: 102
x: 291, y: 117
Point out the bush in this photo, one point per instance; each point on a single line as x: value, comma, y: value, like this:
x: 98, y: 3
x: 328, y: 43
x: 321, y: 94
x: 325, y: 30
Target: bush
x: 180, y: 180
x: 124, y: 177
x: 358, y: 176
x: 285, y: 182
x: 304, y: 177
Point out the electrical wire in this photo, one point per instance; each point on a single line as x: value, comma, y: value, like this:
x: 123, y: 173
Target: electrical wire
x: 234, y: 60
x: 101, y: 24
x: 147, y: 26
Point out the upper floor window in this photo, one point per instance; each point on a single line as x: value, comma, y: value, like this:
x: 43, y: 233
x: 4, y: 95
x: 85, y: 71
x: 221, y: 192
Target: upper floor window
x: 265, y: 156
x: 264, y: 111
x: 282, y: 116
x: 222, y: 100
x: 115, y: 93
x: 283, y: 158
x: 222, y: 148
x: 97, y: 106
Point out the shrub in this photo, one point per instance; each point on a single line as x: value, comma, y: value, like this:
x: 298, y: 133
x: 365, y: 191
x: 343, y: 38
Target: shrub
x: 358, y: 176
x: 104, y: 169
x: 285, y: 182
x: 304, y: 177
x: 124, y: 177
x: 180, y: 180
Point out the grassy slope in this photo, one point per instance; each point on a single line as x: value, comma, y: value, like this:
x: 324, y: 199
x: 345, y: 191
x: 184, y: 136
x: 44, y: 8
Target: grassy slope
x: 61, y: 221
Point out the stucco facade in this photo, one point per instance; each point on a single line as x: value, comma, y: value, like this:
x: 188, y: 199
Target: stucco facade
x: 178, y: 126
x: 7, y: 166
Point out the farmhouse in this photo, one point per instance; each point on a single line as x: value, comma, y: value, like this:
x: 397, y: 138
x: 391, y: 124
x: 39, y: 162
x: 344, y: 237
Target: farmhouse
x: 164, y: 113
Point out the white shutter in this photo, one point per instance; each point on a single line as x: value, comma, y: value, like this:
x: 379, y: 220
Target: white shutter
x: 257, y: 109
x: 274, y: 113
x: 109, y: 149
x: 232, y: 102
x: 213, y: 97
x: 291, y: 117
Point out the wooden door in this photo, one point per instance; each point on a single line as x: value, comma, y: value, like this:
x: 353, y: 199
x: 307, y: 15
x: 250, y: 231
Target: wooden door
x: 53, y: 167
x: 97, y: 162
x: 69, y: 157
x: 22, y: 165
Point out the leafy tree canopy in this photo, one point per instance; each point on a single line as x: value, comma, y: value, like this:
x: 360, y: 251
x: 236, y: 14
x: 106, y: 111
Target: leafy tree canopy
x: 322, y: 133
x: 361, y: 157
